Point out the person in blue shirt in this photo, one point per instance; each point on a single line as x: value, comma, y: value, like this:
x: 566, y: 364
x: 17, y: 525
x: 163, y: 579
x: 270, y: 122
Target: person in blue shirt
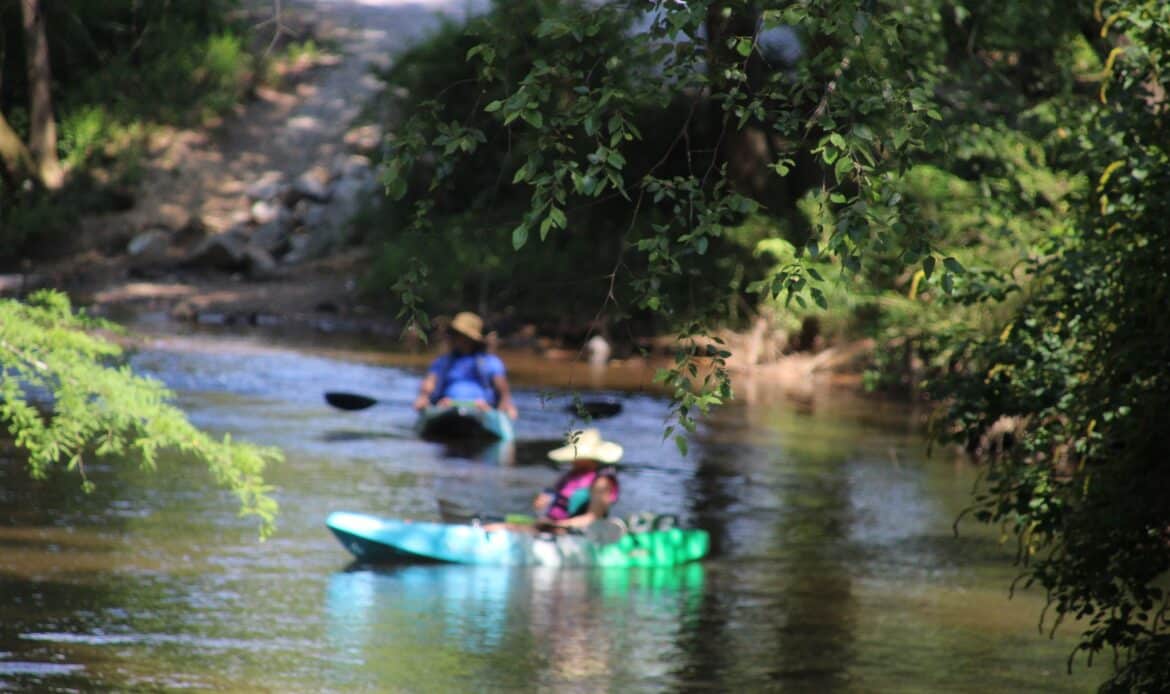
x: 467, y: 373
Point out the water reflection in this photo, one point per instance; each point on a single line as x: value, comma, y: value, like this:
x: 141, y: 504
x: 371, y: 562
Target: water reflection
x: 567, y: 628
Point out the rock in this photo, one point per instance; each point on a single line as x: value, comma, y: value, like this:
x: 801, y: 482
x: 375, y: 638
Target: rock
x: 173, y: 217
x: 312, y: 215
x: 150, y: 246
x: 365, y: 138
x: 298, y: 248
x: 240, y: 217
x: 273, y: 236
x: 18, y: 284
x: 311, y: 185
x: 300, y: 210
x: 329, y: 225
x: 348, y: 196
x: 264, y: 211
x: 192, y: 233
x: 352, y: 166
x: 220, y: 252
x: 268, y: 187
x: 258, y: 262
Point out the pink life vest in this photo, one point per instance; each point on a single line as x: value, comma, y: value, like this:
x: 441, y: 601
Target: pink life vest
x: 571, y: 494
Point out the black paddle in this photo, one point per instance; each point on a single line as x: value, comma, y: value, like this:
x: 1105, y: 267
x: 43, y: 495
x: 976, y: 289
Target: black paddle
x: 350, y: 401
x: 595, y: 409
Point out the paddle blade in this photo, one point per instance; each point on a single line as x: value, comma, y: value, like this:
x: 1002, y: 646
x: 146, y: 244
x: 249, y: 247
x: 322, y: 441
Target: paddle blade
x: 595, y: 409
x: 349, y: 401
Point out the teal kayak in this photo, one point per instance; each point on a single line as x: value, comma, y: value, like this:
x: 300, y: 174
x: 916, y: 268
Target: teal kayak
x: 374, y: 539
x: 463, y: 421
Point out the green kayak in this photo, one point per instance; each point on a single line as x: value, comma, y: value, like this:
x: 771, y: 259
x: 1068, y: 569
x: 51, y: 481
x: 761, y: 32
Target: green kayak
x: 375, y: 539
x: 461, y: 420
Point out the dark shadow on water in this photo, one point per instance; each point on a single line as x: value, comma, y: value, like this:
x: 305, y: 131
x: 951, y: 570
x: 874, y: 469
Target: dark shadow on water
x: 346, y: 435
x: 487, y: 452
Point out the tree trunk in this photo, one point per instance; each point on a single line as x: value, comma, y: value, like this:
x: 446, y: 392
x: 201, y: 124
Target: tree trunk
x: 42, y: 126
x: 16, y: 160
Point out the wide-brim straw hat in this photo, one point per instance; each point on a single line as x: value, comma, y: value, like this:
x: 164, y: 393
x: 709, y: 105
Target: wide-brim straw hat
x: 587, y: 445
x: 468, y: 324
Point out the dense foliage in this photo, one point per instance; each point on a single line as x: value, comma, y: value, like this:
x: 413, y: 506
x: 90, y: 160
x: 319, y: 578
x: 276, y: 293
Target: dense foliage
x: 977, y: 185
x: 65, y: 398
x: 1083, y: 370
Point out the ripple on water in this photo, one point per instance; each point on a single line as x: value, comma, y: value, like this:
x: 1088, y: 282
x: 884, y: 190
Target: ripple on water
x: 210, y: 644
x: 24, y: 667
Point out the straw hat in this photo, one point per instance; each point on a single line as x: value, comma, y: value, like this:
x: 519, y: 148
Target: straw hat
x: 587, y: 445
x: 468, y: 324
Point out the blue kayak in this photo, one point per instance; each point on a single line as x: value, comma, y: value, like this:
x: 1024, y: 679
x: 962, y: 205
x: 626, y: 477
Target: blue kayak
x: 463, y: 421
x: 374, y: 539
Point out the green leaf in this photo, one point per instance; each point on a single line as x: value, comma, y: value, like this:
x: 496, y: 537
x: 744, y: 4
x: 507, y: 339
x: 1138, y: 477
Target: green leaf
x: 928, y: 266
x: 843, y: 168
x: 519, y: 236
x: 701, y: 245
x: 953, y: 265
x: 396, y: 187
x: 838, y: 141
x: 533, y: 118
x: 819, y: 297
x: 494, y: 106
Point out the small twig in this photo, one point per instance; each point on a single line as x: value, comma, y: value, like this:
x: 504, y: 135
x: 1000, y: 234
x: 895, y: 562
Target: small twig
x: 276, y: 19
x: 40, y: 365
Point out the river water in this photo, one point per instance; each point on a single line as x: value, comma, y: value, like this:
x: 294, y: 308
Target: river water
x: 834, y: 564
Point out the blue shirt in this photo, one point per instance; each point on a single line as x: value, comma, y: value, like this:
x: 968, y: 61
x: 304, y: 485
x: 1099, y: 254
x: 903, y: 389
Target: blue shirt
x: 466, y: 377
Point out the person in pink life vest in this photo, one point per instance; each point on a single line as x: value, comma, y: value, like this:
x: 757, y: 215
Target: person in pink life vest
x: 582, y: 495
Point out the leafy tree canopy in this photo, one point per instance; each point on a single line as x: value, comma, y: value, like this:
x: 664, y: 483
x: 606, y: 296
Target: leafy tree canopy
x: 66, y: 398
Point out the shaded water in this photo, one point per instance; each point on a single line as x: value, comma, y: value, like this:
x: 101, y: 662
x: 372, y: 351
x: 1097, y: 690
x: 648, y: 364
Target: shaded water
x: 834, y: 566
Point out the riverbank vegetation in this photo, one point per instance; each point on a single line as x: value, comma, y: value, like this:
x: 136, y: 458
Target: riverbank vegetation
x: 974, y: 186
x: 83, y: 85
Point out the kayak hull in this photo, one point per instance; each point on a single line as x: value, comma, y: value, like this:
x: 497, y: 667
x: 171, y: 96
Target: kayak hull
x: 462, y: 421
x: 374, y: 539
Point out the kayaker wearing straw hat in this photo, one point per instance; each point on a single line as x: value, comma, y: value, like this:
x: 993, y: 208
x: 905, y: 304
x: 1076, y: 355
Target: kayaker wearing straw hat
x: 588, y: 490
x: 467, y: 372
